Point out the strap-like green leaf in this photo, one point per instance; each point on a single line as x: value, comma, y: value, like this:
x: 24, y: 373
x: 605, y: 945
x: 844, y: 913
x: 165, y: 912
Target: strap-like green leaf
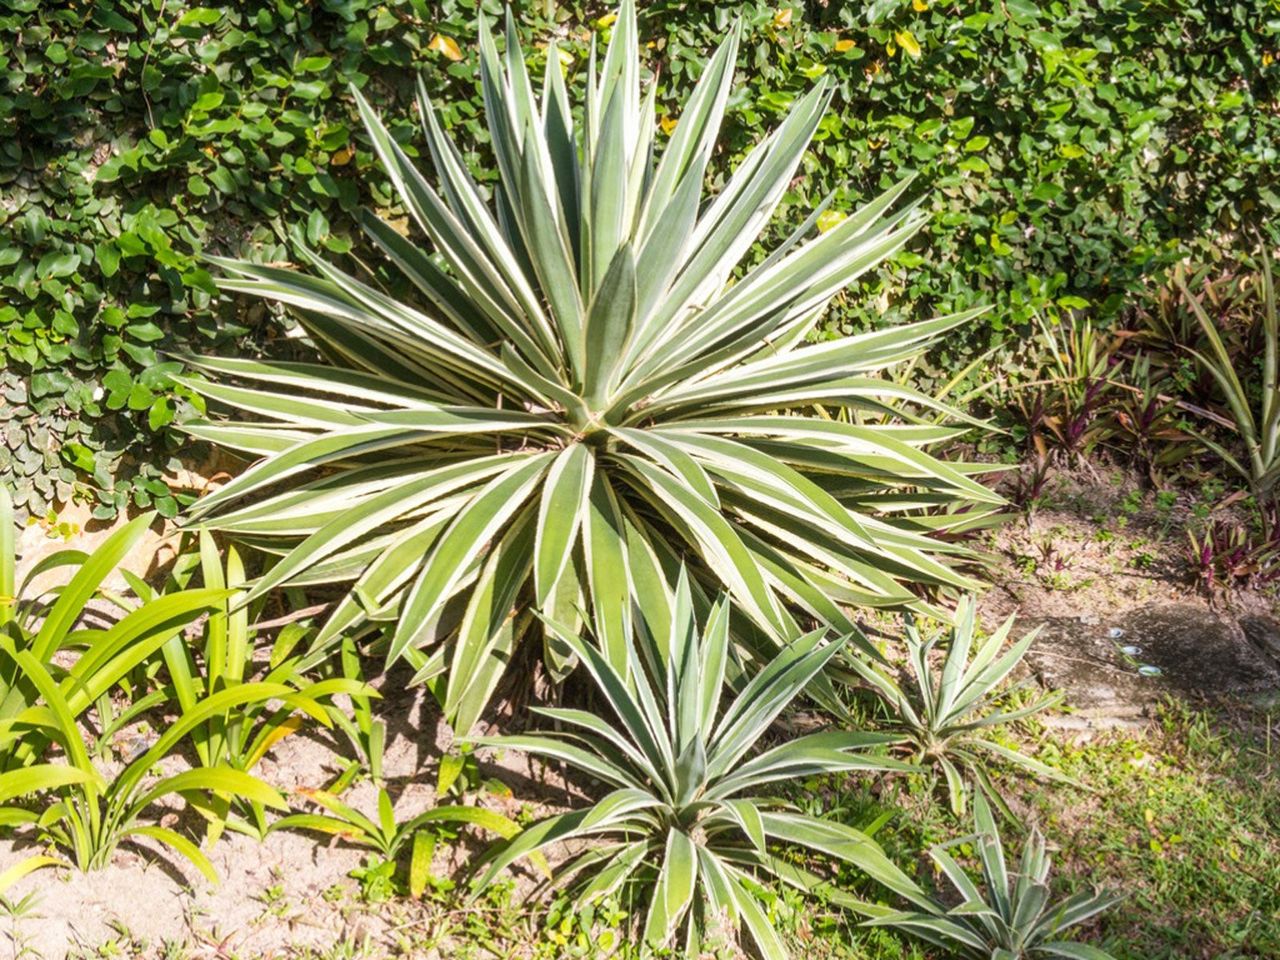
x: 176, y: 841
x: 673, y: 892
x: 71, y: 601
x: 560, y: 513
x: 28, y: 865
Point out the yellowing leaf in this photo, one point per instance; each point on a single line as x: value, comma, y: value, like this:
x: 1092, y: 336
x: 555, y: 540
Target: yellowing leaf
x: 445, y: 45
x: 606, y: 21
x: 907, y: 42
x: 451, y: 767
x: 342, y: 157
x: 289, y: 727
x: 845, y: 45
x: 782, y: 18
x: 830, y: 218
x: 668, y: 125
x: 566, y: 58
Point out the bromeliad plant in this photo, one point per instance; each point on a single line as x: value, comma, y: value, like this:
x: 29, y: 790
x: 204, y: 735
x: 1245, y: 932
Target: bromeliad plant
x: 1225, y: 554
x: 1079, y: 381
x: 689, y: 824
x: 947, y: 715
x: 1149, y: 423
x: 585, y: 389
x: 1014, y: 919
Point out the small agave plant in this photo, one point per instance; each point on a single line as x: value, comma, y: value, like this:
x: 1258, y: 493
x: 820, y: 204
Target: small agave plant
x: 689, y: 825
x: 948, y: 712
x: 1014, y: 918
x: 579, y: 393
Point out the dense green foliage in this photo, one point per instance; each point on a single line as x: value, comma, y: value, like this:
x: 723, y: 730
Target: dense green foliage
x: 1075, y: 147
x: 135, y: 138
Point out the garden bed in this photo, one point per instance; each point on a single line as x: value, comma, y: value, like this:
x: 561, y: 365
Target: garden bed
x: 1158, y: 817
x: 716, y: 480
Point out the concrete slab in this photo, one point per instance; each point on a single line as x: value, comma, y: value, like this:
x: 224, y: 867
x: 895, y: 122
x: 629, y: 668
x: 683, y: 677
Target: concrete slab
x: 1118, y: 666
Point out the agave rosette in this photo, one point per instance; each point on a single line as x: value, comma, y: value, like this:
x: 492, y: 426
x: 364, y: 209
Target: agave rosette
x: 949, y: 716
x: 690, y: 825
x: 584, y: 392
x: 1013, y: 916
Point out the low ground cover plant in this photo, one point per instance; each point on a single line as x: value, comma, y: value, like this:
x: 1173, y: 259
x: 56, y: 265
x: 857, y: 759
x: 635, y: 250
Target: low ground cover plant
x: 389, y: 837
x: 96, y: 812
x: 72, y: 688
x: 48, y: 628
x: 58, y: 667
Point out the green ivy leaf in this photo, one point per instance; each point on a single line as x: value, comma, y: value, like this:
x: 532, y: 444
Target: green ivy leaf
x: 108, y: 256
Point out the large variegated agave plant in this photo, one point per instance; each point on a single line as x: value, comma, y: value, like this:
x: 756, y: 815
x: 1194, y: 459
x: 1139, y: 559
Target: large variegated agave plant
x: 584, y: 392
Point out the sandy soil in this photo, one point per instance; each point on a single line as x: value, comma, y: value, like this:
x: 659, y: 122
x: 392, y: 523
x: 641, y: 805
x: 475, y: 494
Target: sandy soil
x: 276, y: 898
x: 1102, y: 544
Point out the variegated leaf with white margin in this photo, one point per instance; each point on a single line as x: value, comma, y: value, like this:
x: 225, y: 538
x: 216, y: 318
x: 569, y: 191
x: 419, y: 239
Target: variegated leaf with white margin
x: 691, y: 808
x: 589, y: 327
